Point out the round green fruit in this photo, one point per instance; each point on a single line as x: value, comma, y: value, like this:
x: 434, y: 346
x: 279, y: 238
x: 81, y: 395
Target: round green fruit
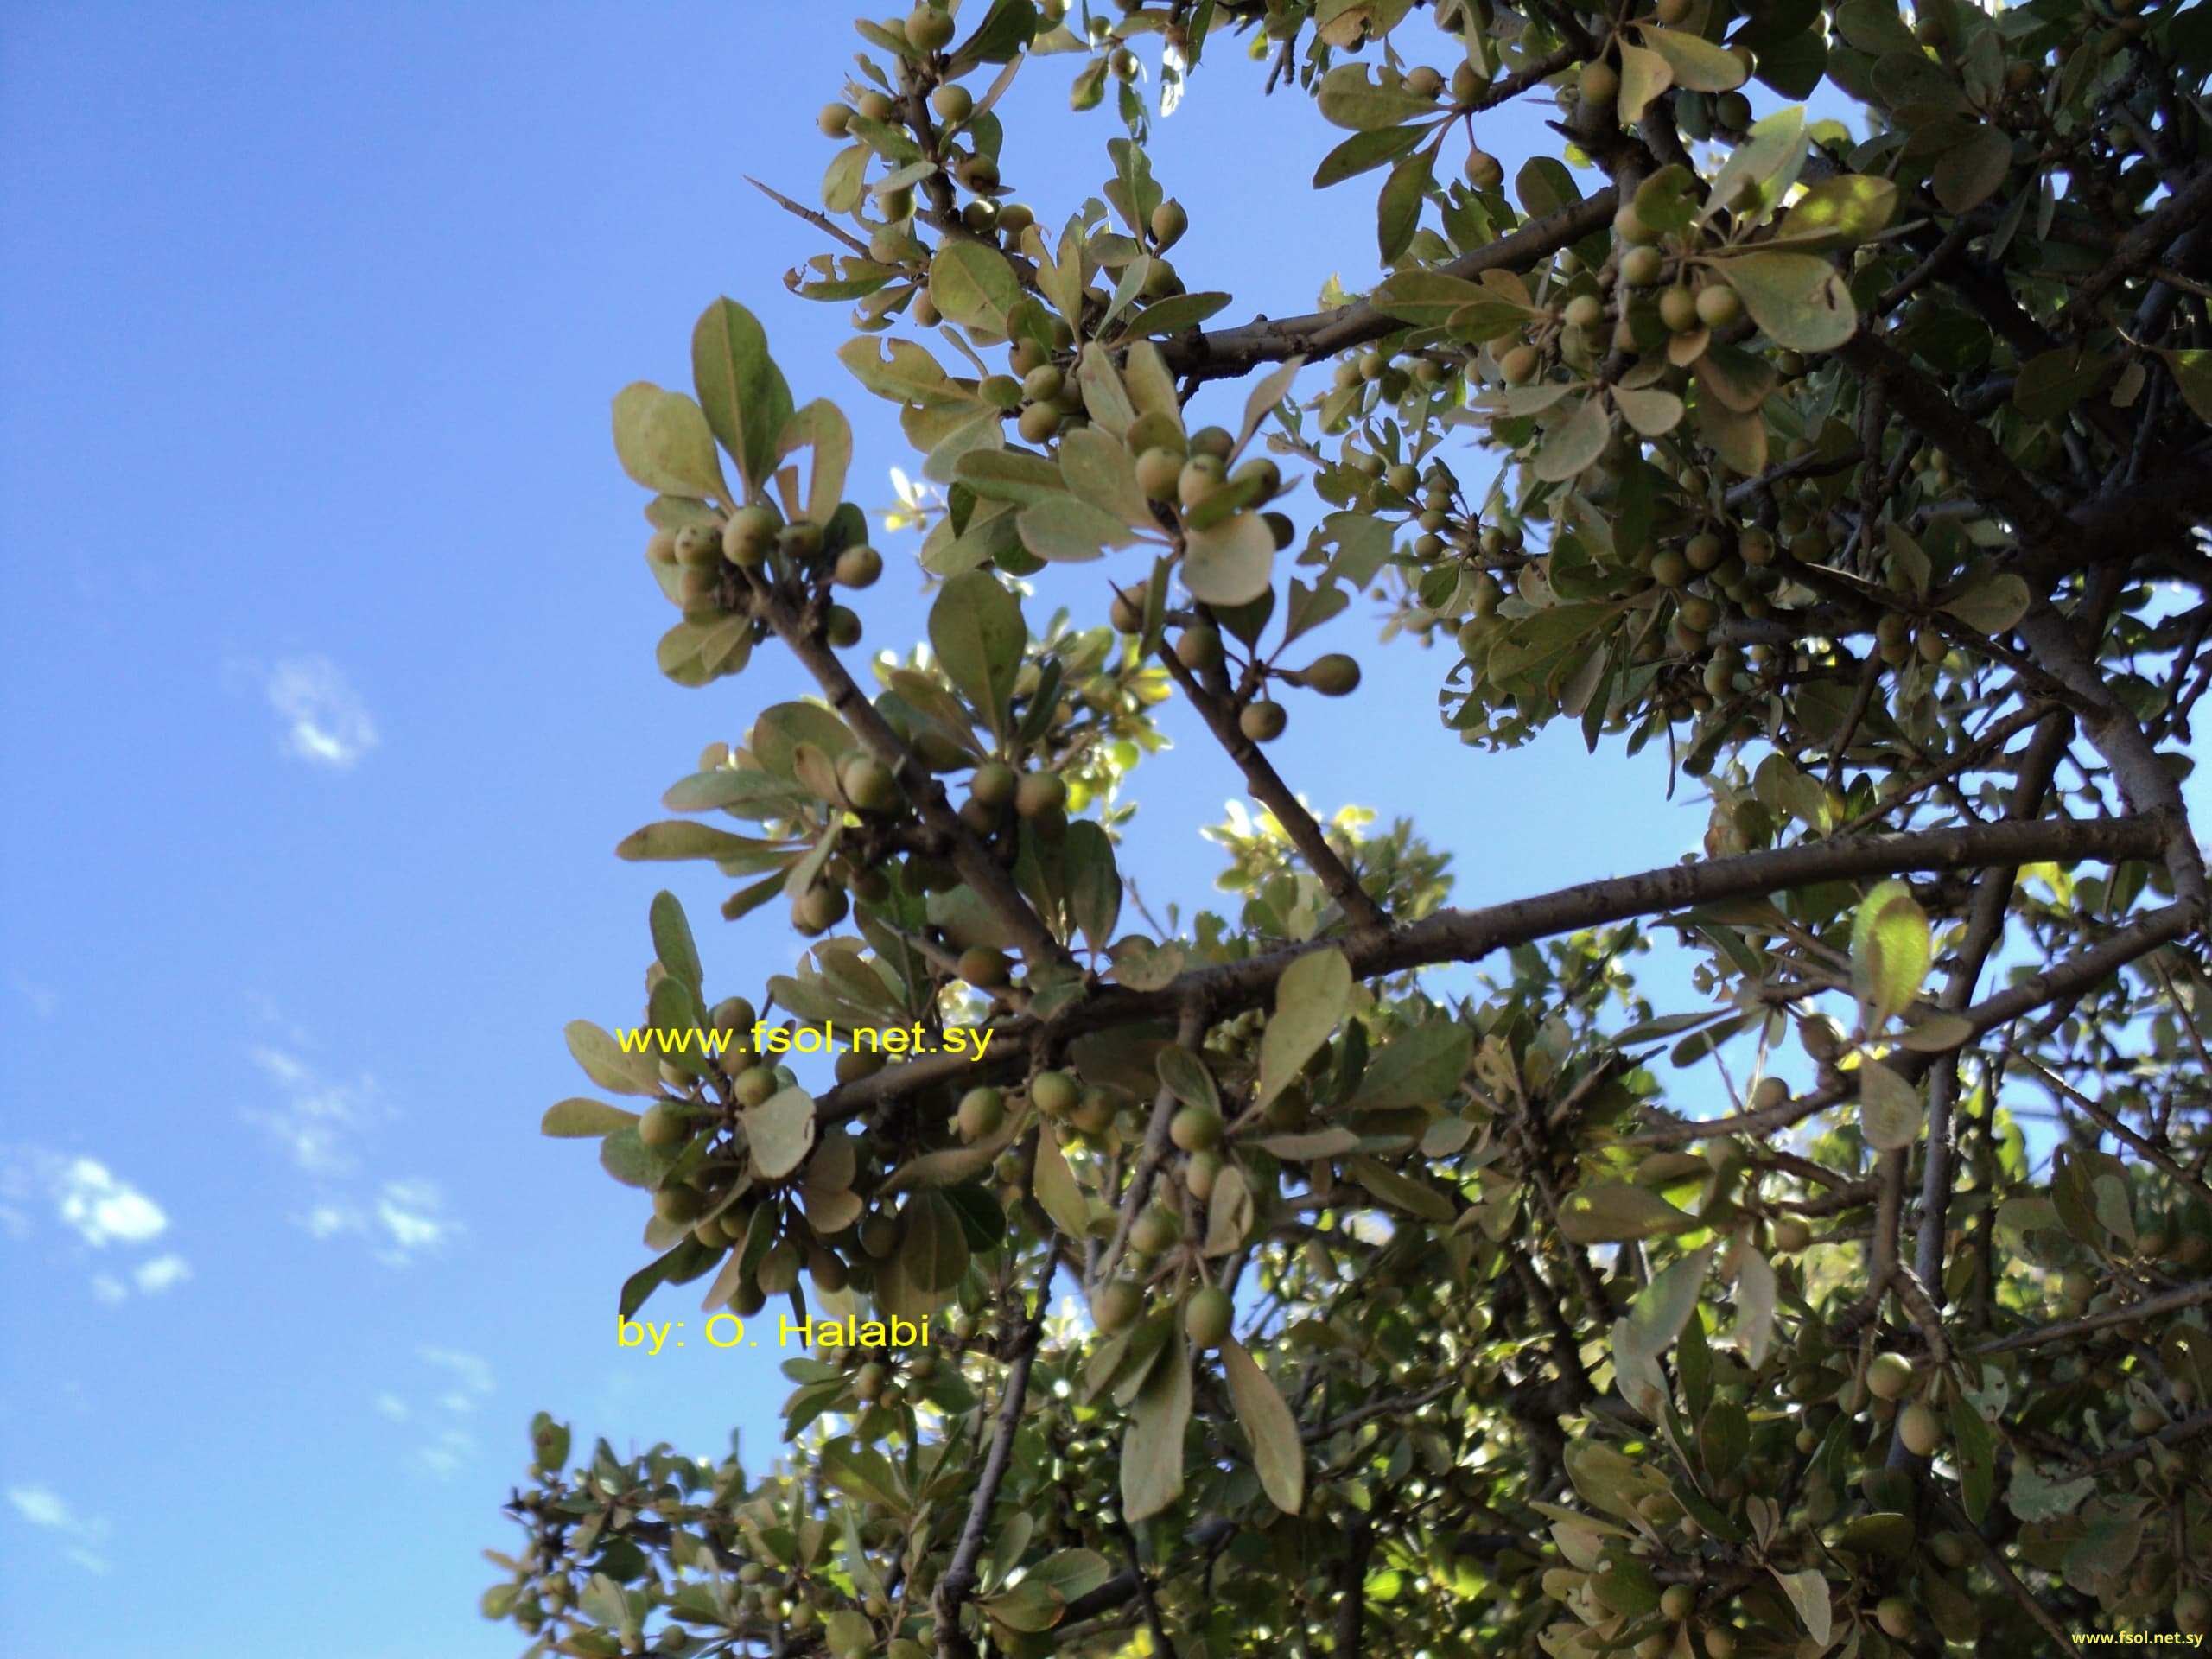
x: 1717, y: 305
x: 982, y: 1112
x: 752, y: 1086
x: 1199, y: 647
x: 1333, y: 676
x: 1116, y: 1306
x: 662, y: 1128
x: 1889, y: 1377
x: 680, y: 1205
x: 1894, y: 1615
x: 953, y: 104
x: 748, y: 535
x: 1039, y: 794
x: 993, y: 784
x: 1196, y: 1128
x: 1920, y: 1428
x: 868, y: 785
x: 1677, y: 1602
x: 1155, y: 1231
x: 1207, y: 1317
x: 1263, y: 722
x: 983, y: 967
x: 929, y: 30
x: 857, y: 567
x: 1055, y: 1093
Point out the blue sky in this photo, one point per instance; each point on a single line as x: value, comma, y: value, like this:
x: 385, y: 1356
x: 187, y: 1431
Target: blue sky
x: 327, y: 684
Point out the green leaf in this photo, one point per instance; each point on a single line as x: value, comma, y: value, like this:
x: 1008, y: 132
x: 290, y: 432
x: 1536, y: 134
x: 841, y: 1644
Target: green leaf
x: 823, y: 426
x: 1173, y: 314
x: 1890, y: 950
x: 1808, y: 1593
x: 1700, y: 65
x: 1652, y: 412
x: 933, y: 1250
x: 1266, y: 397
x: 577, y: 1117
x: 1891, y: 1114
x: 974, y: 285
x: 1094, y: 884
x: 1607, y: 1212
x: 1099, y: 470
x: 1974, y: 1452
x: 662, y: 441
x: 1363, y: 152
x: 1769, y: 157
x: 977, y: 631
x: 1428, y: 299
x: 679, y: 838
x: 1272, y: 1431
x: 1400, y: 1192
x: 1007, y: 30
x: 746, y: 400
x: 1420, y: 1067
x: 1231, y: 562
x: 672, y: 941
x: 1186, y: 1076
x: 1347, y: 99
x: 1992, y: 605
x: 1572, y: 444
x: 2192, y: 373
x: 1067, y: 532
x: 779, y: 1132
x: 1968, y: 174
x: 1228, y: 1214
x: 1056, y: 1189
x: 1397, y: 208
x: 687, y: 1261
x: 1841, y: 211
x: 605, y: 1064
x: 1152, y: 1447
x: 1798, y: 300
x: 2050, y: 383
x: 1644, y: 75
x: 1310, y: 998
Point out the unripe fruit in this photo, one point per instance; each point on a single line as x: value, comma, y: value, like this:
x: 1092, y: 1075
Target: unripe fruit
x: 1600, y: 84
x: 876, y: 106
x: 1199, y: 647
x: 1199, y: 476
x: 1044, y: 384
x: 1732, y: 110
x: 752, y: 1086
x: 929, y: 30
x: 1641, y: 267
x: 748, y: 535
x: 1721, y: 1641
x: 2193, y: 1611
x: 1631, y: 228
x: 1519, y: 365
x: 1670, y: 569
x: 1155, y: 1231
x: 1263, y: 475
x: 1894, y: 1615
x: 1116, y: 1306
x: 1484, y: 170
x: 982, y: 1112
x: 1717, y: 305
x: 983, y: 967
x: 1196, y: 1128
x: 1263, y: 722
x: 1216, y: 441
x: 1054, y: 1093
x: 1920, y: 1428
x: 1585, y: 311
x: 1677, y: 1602
x: 1039, y: 423
x: 858, y: 567
x: 1678, y: 309
x: 842, y: 627
x: 1333, y: 676
x: 1207, y: 1317
x: 1127, y: 611
x: 1039, y: 794
x: 1791, y: 1235
x: 868, y: 785
x: 835, y: 121
x: 1889, y: 1377
x: 1169, y: 221
x: 953, y: 104
x: 680, y: 1206
x: 922, y: 311
x: 1755, y: 546
x: 819, y: 909
x: 1158, y: 472
x: 993, y: 784
x: 662, y: 1128
x: 2146, y: 1420
x: 1200, y: 1170
x: 735, y: 1014
x: 855, y: 1064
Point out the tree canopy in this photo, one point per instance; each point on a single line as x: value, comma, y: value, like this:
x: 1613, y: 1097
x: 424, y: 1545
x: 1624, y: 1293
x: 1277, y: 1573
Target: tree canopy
x: 1854, y: 1307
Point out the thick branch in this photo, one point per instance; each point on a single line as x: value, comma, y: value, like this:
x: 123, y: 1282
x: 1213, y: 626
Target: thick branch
x: 1227, y: 352
x: 1471, y: 935
x: 2141, y: 246
x: 2171, y: 1301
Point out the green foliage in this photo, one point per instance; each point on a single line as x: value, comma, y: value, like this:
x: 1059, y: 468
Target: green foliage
x: 1854, y: 1305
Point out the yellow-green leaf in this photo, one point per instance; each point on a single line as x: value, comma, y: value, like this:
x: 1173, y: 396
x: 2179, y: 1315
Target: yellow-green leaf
x: 1277, y: 1453
x: 1310, y: 998
x: 1890, y: 1109
x: 779, y: 1132
x: 578, y: 1116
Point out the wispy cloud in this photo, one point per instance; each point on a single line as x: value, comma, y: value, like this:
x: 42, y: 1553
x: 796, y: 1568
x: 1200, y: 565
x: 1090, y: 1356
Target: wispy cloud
x: 45, y: 1508
x: 318, y: 1122
x: 102, y: 1210
x: 461, y: 1381
x: 405, y: 1219
x: 326, y: 722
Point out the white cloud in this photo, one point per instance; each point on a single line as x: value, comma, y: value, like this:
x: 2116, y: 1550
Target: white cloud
x: 391, y: 1406
x: 326, y: 722
x: 472, y: 1376
x: 44, y: 1508
x: 320, y: 1119
x: 107, y: 1289
x: 405, y: 1219
x: 104, y: 1210
x: 444, y: 1456
x: 162, y: 1273
x: 464, y: 1381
